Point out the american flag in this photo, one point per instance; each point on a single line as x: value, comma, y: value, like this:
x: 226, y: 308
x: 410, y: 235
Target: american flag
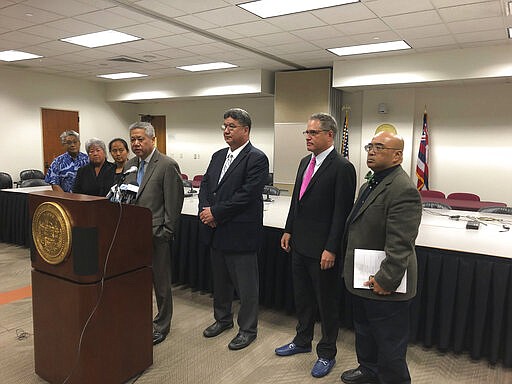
x: 422, y: 166
x: 344, y: 138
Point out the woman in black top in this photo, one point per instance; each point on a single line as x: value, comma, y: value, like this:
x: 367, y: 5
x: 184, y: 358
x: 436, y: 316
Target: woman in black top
x: 97, y: 177
x: 119, y: 151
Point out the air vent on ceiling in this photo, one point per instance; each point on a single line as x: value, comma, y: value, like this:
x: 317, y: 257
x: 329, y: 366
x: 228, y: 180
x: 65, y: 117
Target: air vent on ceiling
x: 127, y: 59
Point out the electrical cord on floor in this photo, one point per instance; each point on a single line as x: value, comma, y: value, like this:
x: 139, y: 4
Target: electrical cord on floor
x: 21, y: 334
x: 102, y: 286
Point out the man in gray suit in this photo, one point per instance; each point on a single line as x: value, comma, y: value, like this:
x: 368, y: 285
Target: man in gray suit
x: 385, y: 217
x: 160, y: 190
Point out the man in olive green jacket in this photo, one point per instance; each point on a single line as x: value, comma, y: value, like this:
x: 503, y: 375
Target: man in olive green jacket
x: 385, y: 217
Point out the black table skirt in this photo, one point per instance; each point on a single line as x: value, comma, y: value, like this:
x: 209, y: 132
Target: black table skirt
x: 14, y: 218
x: 464, y: 300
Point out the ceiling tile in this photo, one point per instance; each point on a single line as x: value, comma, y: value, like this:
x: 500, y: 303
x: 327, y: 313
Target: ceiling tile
x: 424, y: 31
x: 296, y: 21
x: 65, y: 8
x: 317, y: 33
x: 344, y: 13
x: 493, y: 35
x: 471, y: 11
x: 433, y: 41
x: 476, y: 25
x: 106, y: 19
x: 395, y: 7
x: 159, y: 7
x: 256, y: 28
x: 411, y: 20
x: 362, y: 26
x: 20, y: 11
x: 188, y: 6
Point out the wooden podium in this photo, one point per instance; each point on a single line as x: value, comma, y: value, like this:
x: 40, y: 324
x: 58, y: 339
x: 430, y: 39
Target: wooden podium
x: 111, y: 285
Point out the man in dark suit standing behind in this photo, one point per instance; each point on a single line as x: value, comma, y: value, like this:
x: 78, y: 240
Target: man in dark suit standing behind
x: 231, y: 213
x: 323, y: 196
x: 385, y: 218
x: 160, y: 190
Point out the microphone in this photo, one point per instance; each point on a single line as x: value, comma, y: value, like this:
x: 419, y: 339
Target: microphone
x: 132, y: 169
x: 128, y: 193
x: 115, y: 193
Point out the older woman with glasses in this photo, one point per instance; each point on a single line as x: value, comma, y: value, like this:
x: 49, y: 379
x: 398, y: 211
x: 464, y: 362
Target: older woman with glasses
x: 97, y: 177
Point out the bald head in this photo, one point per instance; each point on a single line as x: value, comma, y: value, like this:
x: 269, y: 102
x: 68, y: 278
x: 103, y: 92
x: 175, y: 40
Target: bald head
x: 385, y: 151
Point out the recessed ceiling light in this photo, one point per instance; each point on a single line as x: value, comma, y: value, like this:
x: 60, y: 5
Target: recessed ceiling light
x: 206, y: 67
x: 123, y: 75
x: 17, y: 55
x: 370, y: 48
x: 270, y: 8
x: 100, y: 39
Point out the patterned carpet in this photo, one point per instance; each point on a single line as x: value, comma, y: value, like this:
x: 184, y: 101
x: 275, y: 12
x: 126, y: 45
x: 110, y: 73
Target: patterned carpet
x: 186, y: 357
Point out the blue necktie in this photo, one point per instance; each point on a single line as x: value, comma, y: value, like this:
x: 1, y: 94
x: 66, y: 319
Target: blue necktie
x: 140, y: 172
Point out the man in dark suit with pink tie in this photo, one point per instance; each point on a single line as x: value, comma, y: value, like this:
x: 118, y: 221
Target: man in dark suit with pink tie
x: 231, y: 213
x: 322, y: 198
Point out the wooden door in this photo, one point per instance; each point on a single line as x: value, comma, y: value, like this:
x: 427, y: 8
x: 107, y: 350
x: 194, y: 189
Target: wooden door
x: 55, y: 122
x: 158, y: 122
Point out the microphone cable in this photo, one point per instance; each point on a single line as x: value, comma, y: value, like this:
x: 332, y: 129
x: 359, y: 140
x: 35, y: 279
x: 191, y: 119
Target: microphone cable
x: 102, y: 287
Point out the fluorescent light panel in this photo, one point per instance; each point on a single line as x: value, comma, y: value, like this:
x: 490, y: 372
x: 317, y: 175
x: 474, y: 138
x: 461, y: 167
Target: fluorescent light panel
x: 271, y: 8
x: 122, y: 75
x: 100, y: 39
x: 509, y: 30
x: 17, y: 55
x: 370, y: 48
x: 207, y: 66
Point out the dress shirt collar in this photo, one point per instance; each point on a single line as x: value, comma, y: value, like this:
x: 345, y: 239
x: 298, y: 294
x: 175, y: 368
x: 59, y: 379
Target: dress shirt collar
x: 237, y: 151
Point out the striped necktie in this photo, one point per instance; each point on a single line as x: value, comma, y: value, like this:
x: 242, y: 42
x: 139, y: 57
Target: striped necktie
x: 227, y: 163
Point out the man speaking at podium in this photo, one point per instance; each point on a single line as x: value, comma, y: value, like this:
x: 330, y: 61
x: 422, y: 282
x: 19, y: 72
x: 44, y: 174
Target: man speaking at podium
x: 160, y: 190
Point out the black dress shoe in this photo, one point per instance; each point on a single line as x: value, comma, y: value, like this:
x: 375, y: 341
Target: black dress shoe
x: 158, y: 337
x: 216, y: 329
x: 357, y: 376
x: 241, y: 341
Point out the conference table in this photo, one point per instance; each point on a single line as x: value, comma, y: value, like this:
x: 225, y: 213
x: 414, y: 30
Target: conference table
x: 464, y: 299
x: 463, y: 205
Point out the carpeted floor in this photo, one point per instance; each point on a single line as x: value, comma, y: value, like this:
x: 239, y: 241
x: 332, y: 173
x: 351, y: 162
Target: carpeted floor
x: 186, y: 357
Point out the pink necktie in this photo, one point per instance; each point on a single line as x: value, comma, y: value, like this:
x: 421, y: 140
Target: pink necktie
x: 307, y: 176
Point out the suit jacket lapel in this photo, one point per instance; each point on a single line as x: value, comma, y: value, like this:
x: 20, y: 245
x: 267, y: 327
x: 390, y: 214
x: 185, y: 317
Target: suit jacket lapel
x: 325, y: 164
x: 150, y: 167
x: 373, y: 195
x: 234, y: 164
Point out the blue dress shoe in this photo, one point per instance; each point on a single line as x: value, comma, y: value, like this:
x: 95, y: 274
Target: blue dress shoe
x: 291, y: 349
x: 322, y: 367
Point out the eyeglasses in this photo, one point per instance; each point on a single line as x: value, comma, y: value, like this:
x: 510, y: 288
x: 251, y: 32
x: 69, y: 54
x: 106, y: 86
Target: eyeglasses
x: 69, y: 142
x: 312, y: 132
x: 378, y: 148
x: 231, y: 127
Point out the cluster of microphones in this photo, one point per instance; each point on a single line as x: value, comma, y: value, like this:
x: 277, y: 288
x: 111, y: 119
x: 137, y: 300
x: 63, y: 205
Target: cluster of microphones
x: 122, y: 192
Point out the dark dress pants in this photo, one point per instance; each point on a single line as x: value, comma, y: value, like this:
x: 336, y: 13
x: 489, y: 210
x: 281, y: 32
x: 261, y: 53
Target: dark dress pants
x: 236, y: 270
x: 382, y: 334
x: 162, y: 283
x: 316, y: 290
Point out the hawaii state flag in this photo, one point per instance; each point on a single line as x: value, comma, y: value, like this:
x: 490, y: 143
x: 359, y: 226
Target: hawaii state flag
x: 344, y: 137
x: 422, y: 166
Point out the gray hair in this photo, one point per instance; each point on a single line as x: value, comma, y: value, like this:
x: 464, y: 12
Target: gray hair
x: 327, y: 122
x: 94, y: 142
x: 65, y: 134
x: 240, y: 115
x: 147, y: 127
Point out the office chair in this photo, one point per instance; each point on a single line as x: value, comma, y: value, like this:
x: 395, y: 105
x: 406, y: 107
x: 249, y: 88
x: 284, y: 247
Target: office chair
x: 435, y: 205
x: 31, y: 174
x: 196, y: 181
x: 431, y: 193
x: 463, y: 196
x: 5, y: 180
x: 32, y: 183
